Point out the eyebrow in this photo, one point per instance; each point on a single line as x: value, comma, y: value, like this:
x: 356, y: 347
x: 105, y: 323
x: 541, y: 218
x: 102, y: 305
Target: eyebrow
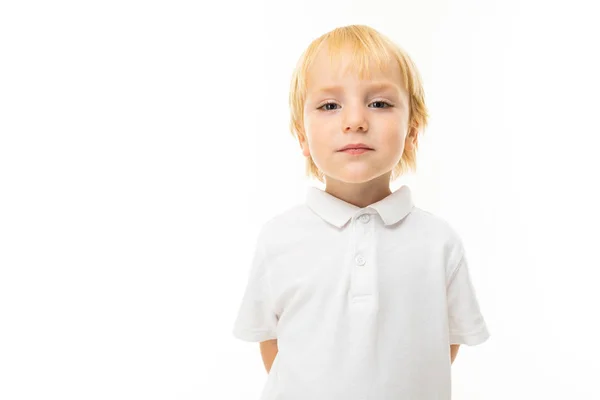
x: 378, y: 86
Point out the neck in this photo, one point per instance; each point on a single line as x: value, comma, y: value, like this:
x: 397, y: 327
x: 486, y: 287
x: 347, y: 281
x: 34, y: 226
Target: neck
x: 360, y: 194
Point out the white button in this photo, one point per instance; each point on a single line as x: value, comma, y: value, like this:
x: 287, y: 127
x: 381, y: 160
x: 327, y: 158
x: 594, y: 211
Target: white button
x: 365, y: 218
x: 360, y: 260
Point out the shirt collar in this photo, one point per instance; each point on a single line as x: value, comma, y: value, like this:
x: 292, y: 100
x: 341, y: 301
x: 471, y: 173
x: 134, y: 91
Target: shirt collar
x: 337, y: 212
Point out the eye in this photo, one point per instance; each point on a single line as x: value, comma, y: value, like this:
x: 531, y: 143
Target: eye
x: 327, y: 106
x: 381, y: 104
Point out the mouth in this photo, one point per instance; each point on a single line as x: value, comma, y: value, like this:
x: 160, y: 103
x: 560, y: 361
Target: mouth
x: 355, y: 151
x: 358, y: 148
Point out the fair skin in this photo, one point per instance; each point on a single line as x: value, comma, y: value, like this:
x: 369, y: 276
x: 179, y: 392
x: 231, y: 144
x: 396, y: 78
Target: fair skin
x: 268, y: 351
x: 342, y: 109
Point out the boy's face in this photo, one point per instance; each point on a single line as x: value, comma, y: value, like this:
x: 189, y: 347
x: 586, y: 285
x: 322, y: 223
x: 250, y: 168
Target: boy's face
x: 341, y: 110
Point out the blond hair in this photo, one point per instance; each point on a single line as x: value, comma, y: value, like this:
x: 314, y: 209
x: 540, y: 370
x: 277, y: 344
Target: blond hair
x: 367, y: 45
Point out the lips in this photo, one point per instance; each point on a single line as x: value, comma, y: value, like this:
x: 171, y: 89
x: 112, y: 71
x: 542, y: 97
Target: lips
x: 355, y: 146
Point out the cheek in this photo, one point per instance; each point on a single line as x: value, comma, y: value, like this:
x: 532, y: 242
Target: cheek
x: 316, y: 142
x: 317, y: 130
x: 315, y: 121
x: 397, y: 130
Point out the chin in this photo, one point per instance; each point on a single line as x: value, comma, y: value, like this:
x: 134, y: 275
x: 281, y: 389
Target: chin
x: 355, y: 176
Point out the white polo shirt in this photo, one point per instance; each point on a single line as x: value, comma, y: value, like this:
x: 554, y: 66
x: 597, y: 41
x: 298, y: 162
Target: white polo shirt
x: 364, y: 302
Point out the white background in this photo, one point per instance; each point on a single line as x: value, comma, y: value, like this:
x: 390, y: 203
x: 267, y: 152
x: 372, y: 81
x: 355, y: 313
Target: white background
x: 143, y: 144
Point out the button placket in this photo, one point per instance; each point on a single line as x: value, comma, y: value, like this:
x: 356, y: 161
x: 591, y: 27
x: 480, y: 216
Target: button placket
x: 363, y: 271
x: 360, y: 260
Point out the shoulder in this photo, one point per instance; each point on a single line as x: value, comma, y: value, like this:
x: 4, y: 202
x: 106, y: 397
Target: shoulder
x: 283, y: 221
x: 438, y: 232
x: 296, y: 221
x: 433, y: 224
x: 286, y: 236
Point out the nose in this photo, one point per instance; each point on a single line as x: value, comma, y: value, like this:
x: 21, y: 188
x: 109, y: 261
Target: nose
x: 355, y: 120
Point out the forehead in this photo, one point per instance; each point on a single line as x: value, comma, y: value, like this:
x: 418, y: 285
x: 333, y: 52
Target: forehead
x: 332, y: 65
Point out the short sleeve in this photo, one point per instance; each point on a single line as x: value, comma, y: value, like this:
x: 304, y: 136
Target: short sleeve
x: 466, y: 323
x: 256, y: 319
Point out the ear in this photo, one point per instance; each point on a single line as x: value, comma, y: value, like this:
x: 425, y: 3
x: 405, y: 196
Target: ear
x: 304, y: 145
x: 410, y: 143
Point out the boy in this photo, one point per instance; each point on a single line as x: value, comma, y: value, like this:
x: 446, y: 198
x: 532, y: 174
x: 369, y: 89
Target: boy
x: 358, y: 294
